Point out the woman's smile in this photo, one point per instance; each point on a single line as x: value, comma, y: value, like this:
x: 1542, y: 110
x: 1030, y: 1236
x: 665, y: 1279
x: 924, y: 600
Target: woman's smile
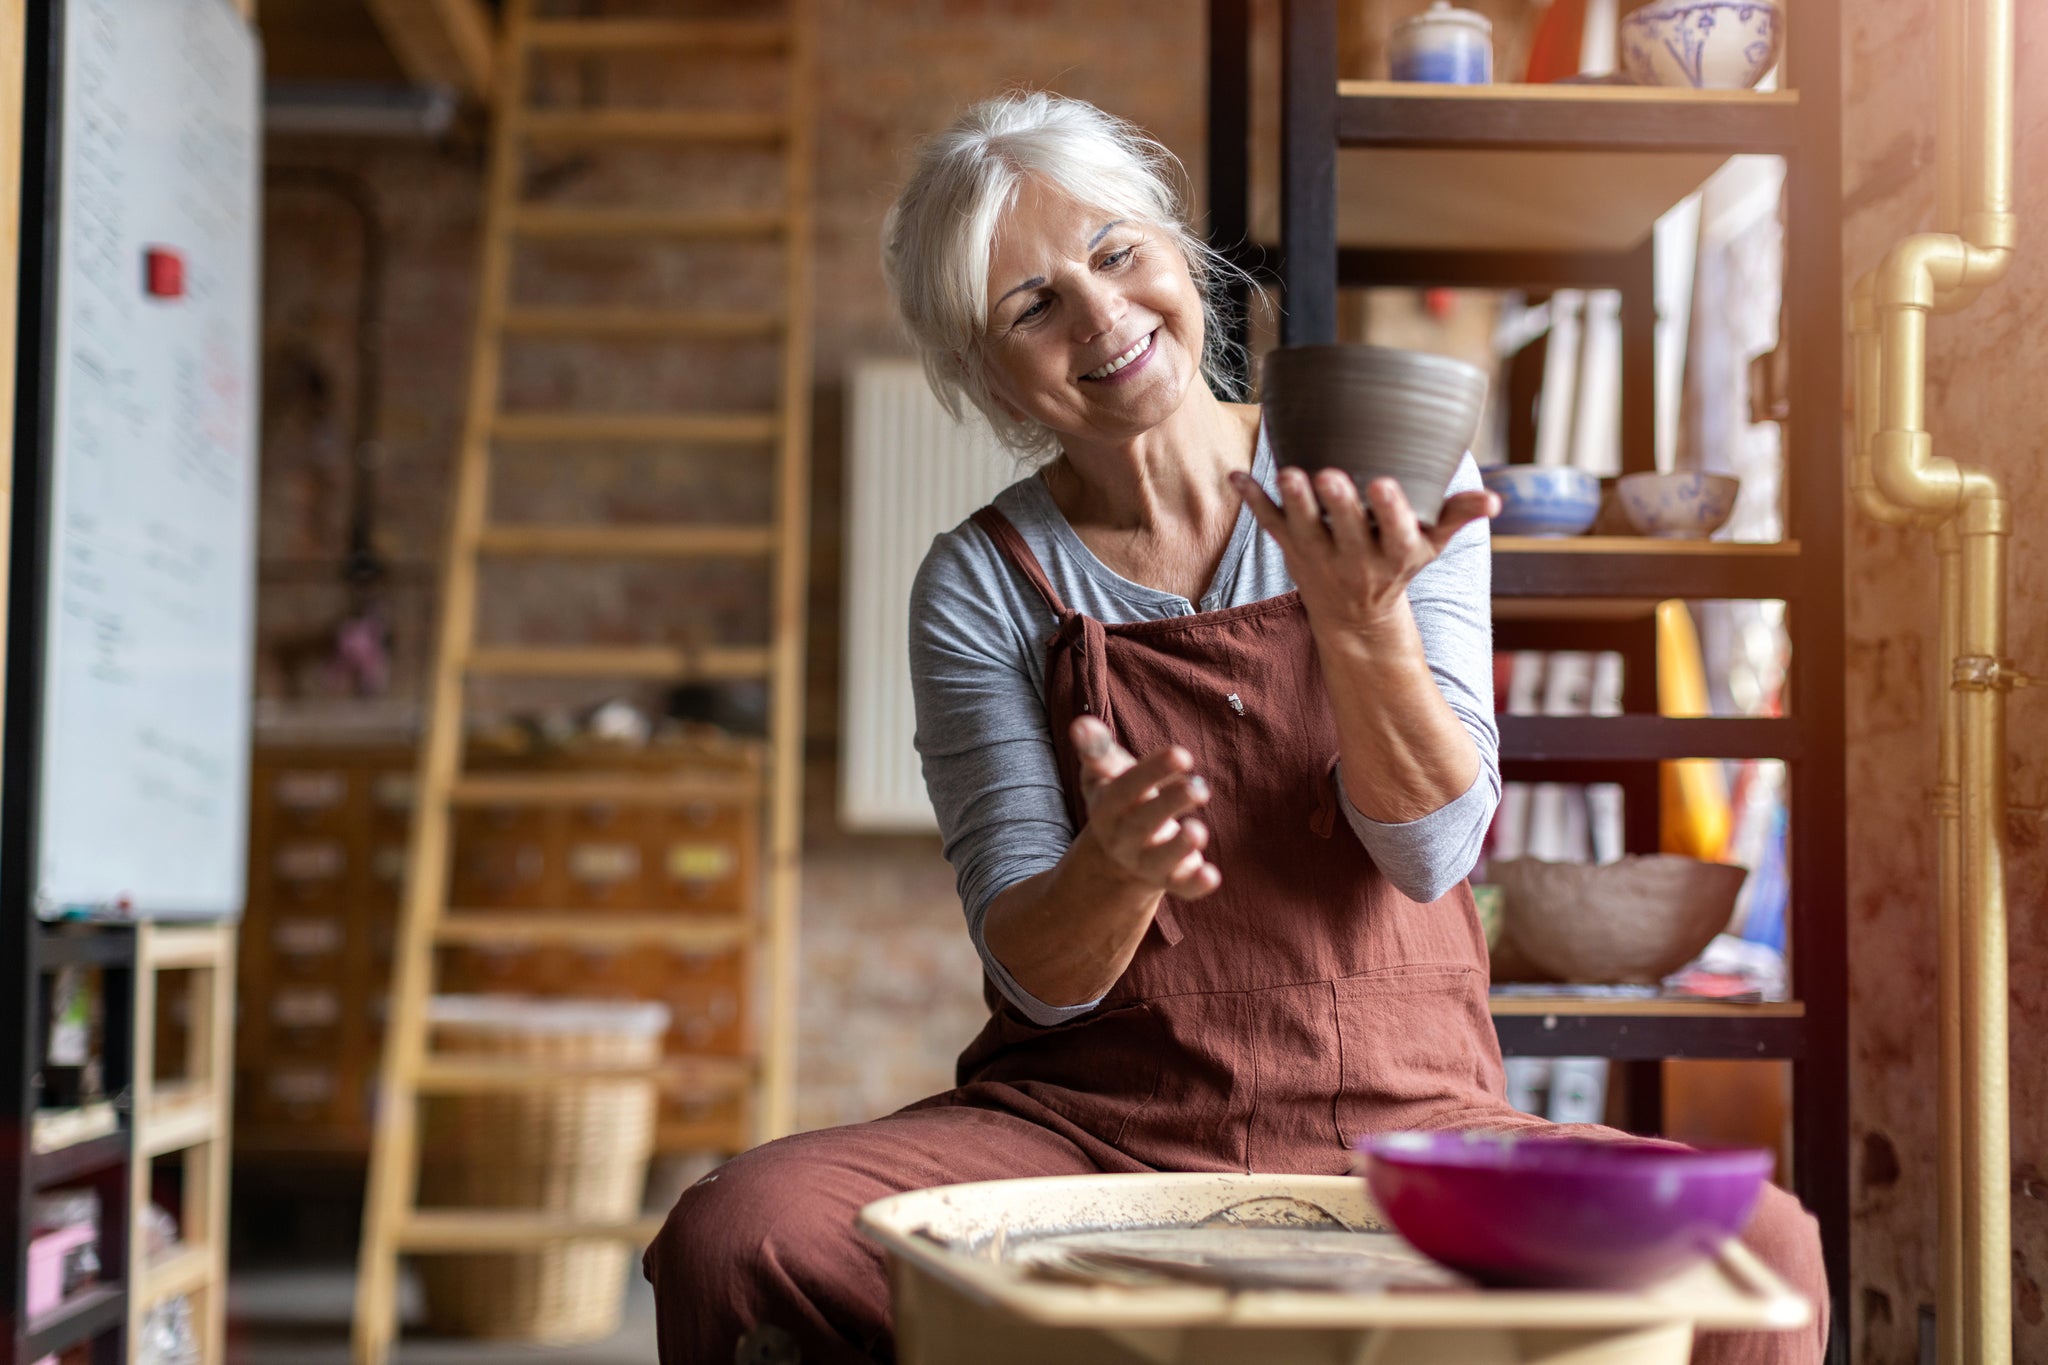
x: 1124, y: 366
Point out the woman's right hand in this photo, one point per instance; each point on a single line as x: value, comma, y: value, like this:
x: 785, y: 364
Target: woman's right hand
x: 1140, y: 812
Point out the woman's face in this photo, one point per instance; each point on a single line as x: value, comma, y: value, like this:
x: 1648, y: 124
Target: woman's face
x: 1094, y: 326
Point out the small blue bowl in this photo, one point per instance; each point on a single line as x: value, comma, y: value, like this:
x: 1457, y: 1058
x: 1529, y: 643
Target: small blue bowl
x: 1543, y: 500
x: 1682, y: 506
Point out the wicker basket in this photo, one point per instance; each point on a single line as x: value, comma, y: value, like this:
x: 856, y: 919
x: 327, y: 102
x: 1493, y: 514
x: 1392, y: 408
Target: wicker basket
x: 577, y: 1150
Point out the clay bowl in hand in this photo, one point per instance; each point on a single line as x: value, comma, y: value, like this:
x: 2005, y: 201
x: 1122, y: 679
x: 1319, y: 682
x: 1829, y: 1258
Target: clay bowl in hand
x: 1373, y: 411
x: 1633, y: 921
x: 1515, y: 1209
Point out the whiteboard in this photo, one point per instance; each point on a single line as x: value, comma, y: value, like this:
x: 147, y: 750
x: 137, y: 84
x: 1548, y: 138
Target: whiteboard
x: 144, y: 753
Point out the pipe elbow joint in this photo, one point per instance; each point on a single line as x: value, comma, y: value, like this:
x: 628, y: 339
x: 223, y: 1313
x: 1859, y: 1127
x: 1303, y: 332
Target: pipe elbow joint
x: 1918, y: 268
x: 1907, y: 472
x: 1988, y: 231
x: 1986, y: 265
x: 1877, y: 507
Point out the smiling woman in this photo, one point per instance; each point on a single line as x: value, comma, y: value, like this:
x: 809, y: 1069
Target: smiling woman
x: 954, y: 221
x: 1212, y: 753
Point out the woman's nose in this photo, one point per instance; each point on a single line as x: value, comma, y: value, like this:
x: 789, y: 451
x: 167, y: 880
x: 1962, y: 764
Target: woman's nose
x: 1102, y: 308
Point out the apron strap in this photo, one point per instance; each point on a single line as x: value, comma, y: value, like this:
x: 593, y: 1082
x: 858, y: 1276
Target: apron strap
x: 1010, y: 541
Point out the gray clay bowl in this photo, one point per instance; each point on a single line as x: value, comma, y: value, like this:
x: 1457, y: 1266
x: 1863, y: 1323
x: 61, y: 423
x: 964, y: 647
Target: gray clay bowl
x: 1373, y: 411
x: 1633, y: 921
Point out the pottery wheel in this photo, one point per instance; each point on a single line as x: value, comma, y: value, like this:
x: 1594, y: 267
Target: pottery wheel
x: 1236, y: 1258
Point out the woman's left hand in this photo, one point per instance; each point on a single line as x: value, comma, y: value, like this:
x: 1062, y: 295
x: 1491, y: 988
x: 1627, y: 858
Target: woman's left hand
x: 1353, y: 573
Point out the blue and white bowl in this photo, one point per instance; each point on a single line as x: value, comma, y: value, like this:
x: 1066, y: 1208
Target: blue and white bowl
x: 1705, y: 44
x: 1543, y: 500
x: 1683, y: 506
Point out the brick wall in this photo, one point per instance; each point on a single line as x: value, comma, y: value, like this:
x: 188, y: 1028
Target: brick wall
x: 890, y: 985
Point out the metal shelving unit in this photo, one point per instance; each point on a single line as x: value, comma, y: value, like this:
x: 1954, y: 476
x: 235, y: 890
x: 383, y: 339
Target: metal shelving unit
x: 1547, y: 187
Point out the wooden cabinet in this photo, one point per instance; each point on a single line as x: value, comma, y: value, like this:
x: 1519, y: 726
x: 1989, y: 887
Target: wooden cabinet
x: 327, y: 863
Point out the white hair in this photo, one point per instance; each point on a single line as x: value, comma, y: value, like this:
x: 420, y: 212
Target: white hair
x: 940, y: 234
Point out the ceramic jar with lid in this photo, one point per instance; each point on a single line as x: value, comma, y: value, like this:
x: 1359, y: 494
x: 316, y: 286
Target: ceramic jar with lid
x: 1444, y: 45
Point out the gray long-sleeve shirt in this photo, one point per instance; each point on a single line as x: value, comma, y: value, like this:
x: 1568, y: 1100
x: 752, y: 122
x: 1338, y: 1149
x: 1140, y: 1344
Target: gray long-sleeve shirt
x: 978, y: 636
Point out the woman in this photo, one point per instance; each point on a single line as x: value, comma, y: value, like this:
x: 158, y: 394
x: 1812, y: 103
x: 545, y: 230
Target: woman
x: 1212, y: 751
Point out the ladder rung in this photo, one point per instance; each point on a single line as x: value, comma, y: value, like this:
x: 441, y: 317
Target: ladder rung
x: 626, y: 542
x: 558, y: 223
x: 651, y: 125
x: 642, y: 322
x: 621, y: 789
x: 511, y: 1230
x: 649, y: 661
x: 688, y: 932
x: 695, y: 1076
x: 702, y: 427
x: 632, y: 35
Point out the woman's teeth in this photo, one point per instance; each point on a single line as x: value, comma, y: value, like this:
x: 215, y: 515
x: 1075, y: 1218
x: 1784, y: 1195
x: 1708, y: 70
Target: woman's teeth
x: 1144, y: 344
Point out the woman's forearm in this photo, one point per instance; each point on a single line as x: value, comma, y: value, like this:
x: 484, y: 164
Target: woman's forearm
x: 1404, y: 751
x: 1066, y: 934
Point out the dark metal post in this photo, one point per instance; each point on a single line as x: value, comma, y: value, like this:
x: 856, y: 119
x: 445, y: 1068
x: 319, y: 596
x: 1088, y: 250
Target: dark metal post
x: 1308, y: 171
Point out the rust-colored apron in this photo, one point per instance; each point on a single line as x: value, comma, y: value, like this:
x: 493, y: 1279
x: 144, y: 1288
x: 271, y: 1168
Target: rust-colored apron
x: 1304, y: 1002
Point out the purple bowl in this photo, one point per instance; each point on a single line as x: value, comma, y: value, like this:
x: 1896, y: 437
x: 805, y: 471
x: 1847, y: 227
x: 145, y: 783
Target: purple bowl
x: 1513, y: 1209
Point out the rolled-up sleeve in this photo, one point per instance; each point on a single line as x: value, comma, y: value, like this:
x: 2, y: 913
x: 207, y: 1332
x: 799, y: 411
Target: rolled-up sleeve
x: 1452, y: 601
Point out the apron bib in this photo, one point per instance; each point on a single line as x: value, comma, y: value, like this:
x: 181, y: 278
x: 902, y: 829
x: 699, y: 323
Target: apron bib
x: 1304, y: 1002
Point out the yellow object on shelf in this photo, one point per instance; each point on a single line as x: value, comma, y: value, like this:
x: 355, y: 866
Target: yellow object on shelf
x: 1697, y: 818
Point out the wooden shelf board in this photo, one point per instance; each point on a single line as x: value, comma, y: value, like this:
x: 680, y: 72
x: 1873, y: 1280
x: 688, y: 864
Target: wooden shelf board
x: 1610, y: 1006
x: 1573, y: 608
x: 1549, y: 168
x: 70, y: 946
x: 53, y: 1130
x: 180, y: 1270
x: 1640, y: 737
x: 1636, y: 569
x: 179, y: 1116
x: 85, y: 1157
x: 83, y: 1316
x: 176, y: 947
x: 1645, y: 545
x: 1590, y: 118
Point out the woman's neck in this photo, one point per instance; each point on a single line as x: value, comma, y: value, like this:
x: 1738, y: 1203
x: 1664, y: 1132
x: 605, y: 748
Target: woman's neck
x: 1158, y: 509
x: 1165, y: 479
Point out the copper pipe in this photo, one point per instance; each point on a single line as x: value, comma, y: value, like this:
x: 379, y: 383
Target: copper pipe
x: 1982, y: 675
x: 1868, y: 375
x: 1949, y: 1297
x: 1897, y: 478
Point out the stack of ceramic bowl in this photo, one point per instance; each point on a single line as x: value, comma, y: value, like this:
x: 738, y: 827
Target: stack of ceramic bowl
x: 1374, y: 411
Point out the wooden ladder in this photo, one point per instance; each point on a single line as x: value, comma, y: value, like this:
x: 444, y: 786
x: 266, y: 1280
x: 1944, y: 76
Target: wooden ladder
x: 393, y: 1223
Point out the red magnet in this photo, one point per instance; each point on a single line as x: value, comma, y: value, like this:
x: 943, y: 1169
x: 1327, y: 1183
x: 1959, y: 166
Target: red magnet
x: 165, y: 272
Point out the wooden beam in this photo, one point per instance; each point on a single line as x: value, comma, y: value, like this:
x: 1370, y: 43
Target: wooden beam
x: 440, y: 42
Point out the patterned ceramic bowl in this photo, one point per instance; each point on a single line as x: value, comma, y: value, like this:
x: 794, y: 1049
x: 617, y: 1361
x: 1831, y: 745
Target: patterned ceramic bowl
x: 1543, y: 500
x: 1684, y: 506
x: 1705, y: 44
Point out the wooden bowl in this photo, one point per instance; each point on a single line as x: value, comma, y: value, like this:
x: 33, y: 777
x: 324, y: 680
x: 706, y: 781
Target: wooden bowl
x: 1635, y: 921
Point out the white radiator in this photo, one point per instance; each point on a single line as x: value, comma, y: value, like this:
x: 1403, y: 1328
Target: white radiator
x: 911, y: 472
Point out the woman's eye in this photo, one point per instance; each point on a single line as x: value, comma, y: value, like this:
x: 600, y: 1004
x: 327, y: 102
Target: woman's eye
x: 1029, y: 313
x: 1117, y: 258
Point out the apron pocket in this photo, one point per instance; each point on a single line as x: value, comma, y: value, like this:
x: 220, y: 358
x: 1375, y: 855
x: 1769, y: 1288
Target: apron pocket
x: 1417, y: 1049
